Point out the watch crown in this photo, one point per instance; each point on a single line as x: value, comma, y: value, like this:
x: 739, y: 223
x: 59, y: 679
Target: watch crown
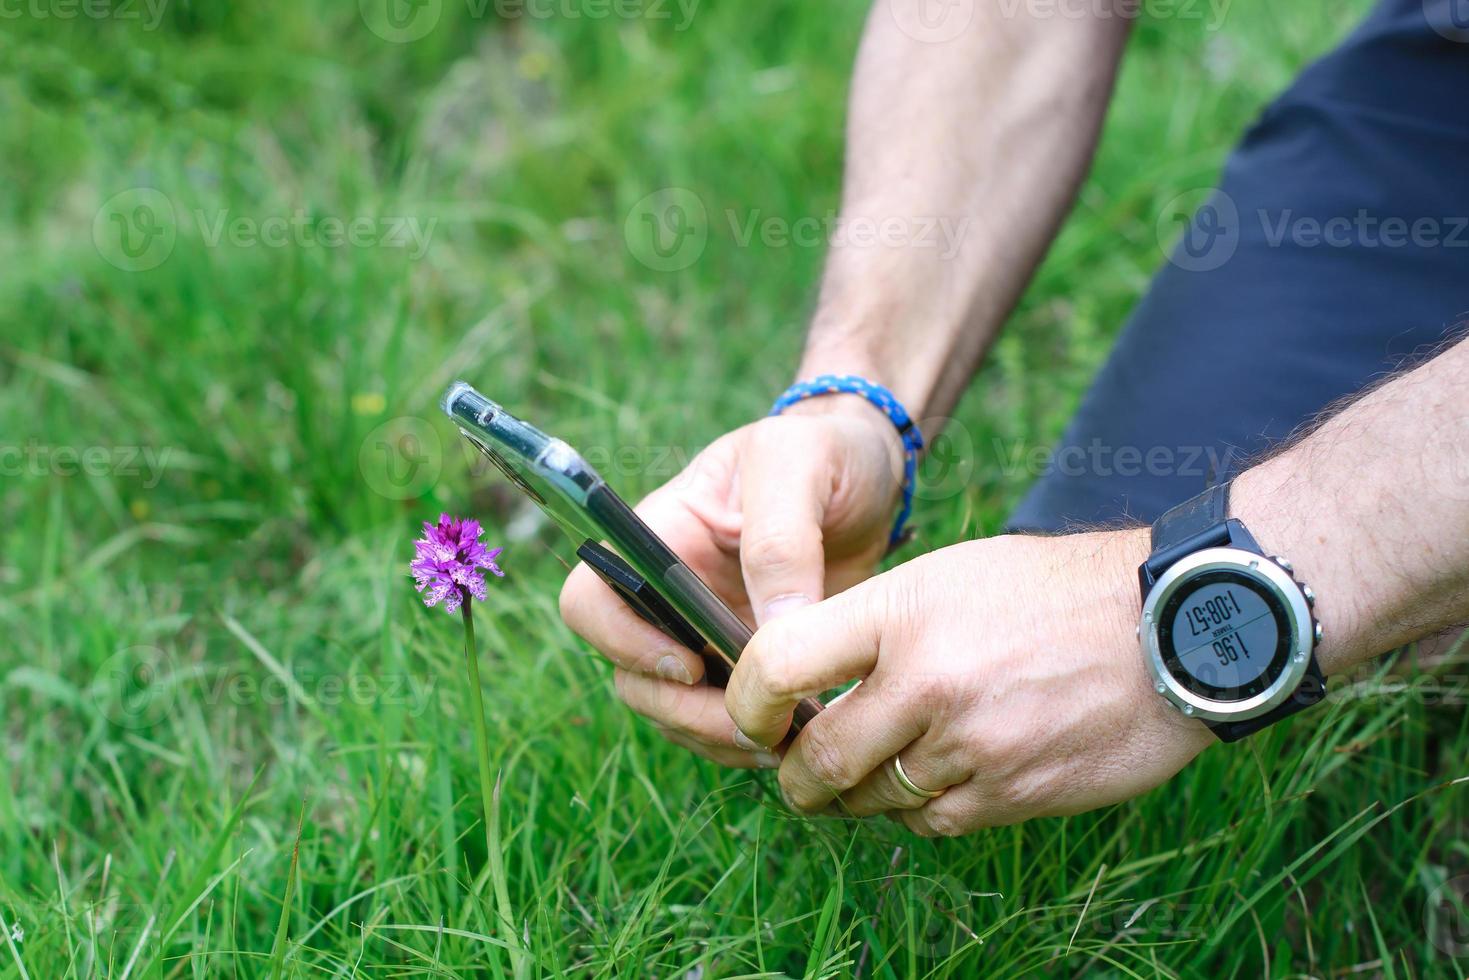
x: 1318, y: 632
x: 1284, y: 563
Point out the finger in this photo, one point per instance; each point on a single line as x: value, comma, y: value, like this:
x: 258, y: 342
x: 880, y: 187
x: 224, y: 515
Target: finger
x: 729, y: 758
x: 799, y: 656
x: 785, y: 485
x: 694, y: 713
x: 596, y: 614
x: 962, y: 810
x: 928, y: 763
x: 846, y: 745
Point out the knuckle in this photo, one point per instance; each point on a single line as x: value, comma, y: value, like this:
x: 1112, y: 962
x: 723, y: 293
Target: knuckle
x: 772, y: 551
x: 826, y: 758
x: 771, y: 673
x: 1025, y: 794
x: 947, y: 823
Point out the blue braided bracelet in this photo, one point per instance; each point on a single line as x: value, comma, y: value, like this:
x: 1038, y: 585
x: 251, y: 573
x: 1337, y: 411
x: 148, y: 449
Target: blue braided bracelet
x: 888, y: 404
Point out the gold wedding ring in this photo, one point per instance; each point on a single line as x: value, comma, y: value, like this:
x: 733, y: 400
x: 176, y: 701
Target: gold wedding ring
x: 909, y: 784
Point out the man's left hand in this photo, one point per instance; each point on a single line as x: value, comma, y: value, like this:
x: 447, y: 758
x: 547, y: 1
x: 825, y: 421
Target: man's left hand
x: 1004, y: 672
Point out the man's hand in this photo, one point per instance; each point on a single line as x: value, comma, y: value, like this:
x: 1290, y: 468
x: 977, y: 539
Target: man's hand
x: 1004, y: 672
x: 774, y: 516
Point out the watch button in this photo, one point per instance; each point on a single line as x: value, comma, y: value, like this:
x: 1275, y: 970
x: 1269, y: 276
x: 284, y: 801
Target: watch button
x: 1283, y: 563
x: 1318, y: 634
x: 1310, y: 595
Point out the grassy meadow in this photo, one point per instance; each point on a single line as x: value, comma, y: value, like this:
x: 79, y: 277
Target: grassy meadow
x: 246, y: 246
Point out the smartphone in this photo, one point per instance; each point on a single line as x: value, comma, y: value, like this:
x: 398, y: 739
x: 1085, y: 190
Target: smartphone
x: 609, y: 537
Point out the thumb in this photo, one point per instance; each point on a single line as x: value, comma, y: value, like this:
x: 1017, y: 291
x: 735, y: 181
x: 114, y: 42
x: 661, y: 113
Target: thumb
x: 786, y: 482
x: 802, y: 655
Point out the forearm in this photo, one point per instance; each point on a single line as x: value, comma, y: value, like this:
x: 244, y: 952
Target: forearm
x: 973, y: 149
x: 1373, y: 510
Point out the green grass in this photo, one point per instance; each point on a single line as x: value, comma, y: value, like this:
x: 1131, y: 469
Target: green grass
x: 236, y: 745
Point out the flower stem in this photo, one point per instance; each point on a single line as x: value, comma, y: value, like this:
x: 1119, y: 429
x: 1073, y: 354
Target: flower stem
x: 488, y: 791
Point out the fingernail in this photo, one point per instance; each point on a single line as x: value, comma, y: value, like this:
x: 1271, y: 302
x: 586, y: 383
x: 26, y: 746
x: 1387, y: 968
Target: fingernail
x: 749, y: 744
x: 670, y: 668
x: 767, y: 760
x: 781, y: 605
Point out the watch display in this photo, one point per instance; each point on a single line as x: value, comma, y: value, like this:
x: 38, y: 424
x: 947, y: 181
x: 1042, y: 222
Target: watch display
x: 1225, y: 635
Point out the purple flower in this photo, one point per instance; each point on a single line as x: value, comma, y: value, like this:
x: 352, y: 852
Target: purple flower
x: 450, y: 561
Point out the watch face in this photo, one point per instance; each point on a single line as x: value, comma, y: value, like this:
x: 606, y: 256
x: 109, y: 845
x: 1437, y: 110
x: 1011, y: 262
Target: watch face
x: 1225, y: 636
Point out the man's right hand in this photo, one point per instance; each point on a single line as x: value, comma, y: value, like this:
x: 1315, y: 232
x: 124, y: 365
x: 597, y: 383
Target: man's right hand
x: 773, y: 516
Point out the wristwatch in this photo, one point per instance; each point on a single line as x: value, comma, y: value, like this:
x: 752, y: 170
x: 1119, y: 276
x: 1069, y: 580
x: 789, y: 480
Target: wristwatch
x: 1228, y: 634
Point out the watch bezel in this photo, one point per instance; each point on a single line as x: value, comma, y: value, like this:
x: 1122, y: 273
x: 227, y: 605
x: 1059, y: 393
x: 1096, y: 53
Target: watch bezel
x: 1275, y: 580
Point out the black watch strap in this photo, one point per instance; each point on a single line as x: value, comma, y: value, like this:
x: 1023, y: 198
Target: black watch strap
x: 1193, y: 525
x: 1311, y: 691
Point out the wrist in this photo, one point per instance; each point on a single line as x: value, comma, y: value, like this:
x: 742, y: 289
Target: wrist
x: 1271, y: 505
x: 844, y: 348
x: 864, y: 429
